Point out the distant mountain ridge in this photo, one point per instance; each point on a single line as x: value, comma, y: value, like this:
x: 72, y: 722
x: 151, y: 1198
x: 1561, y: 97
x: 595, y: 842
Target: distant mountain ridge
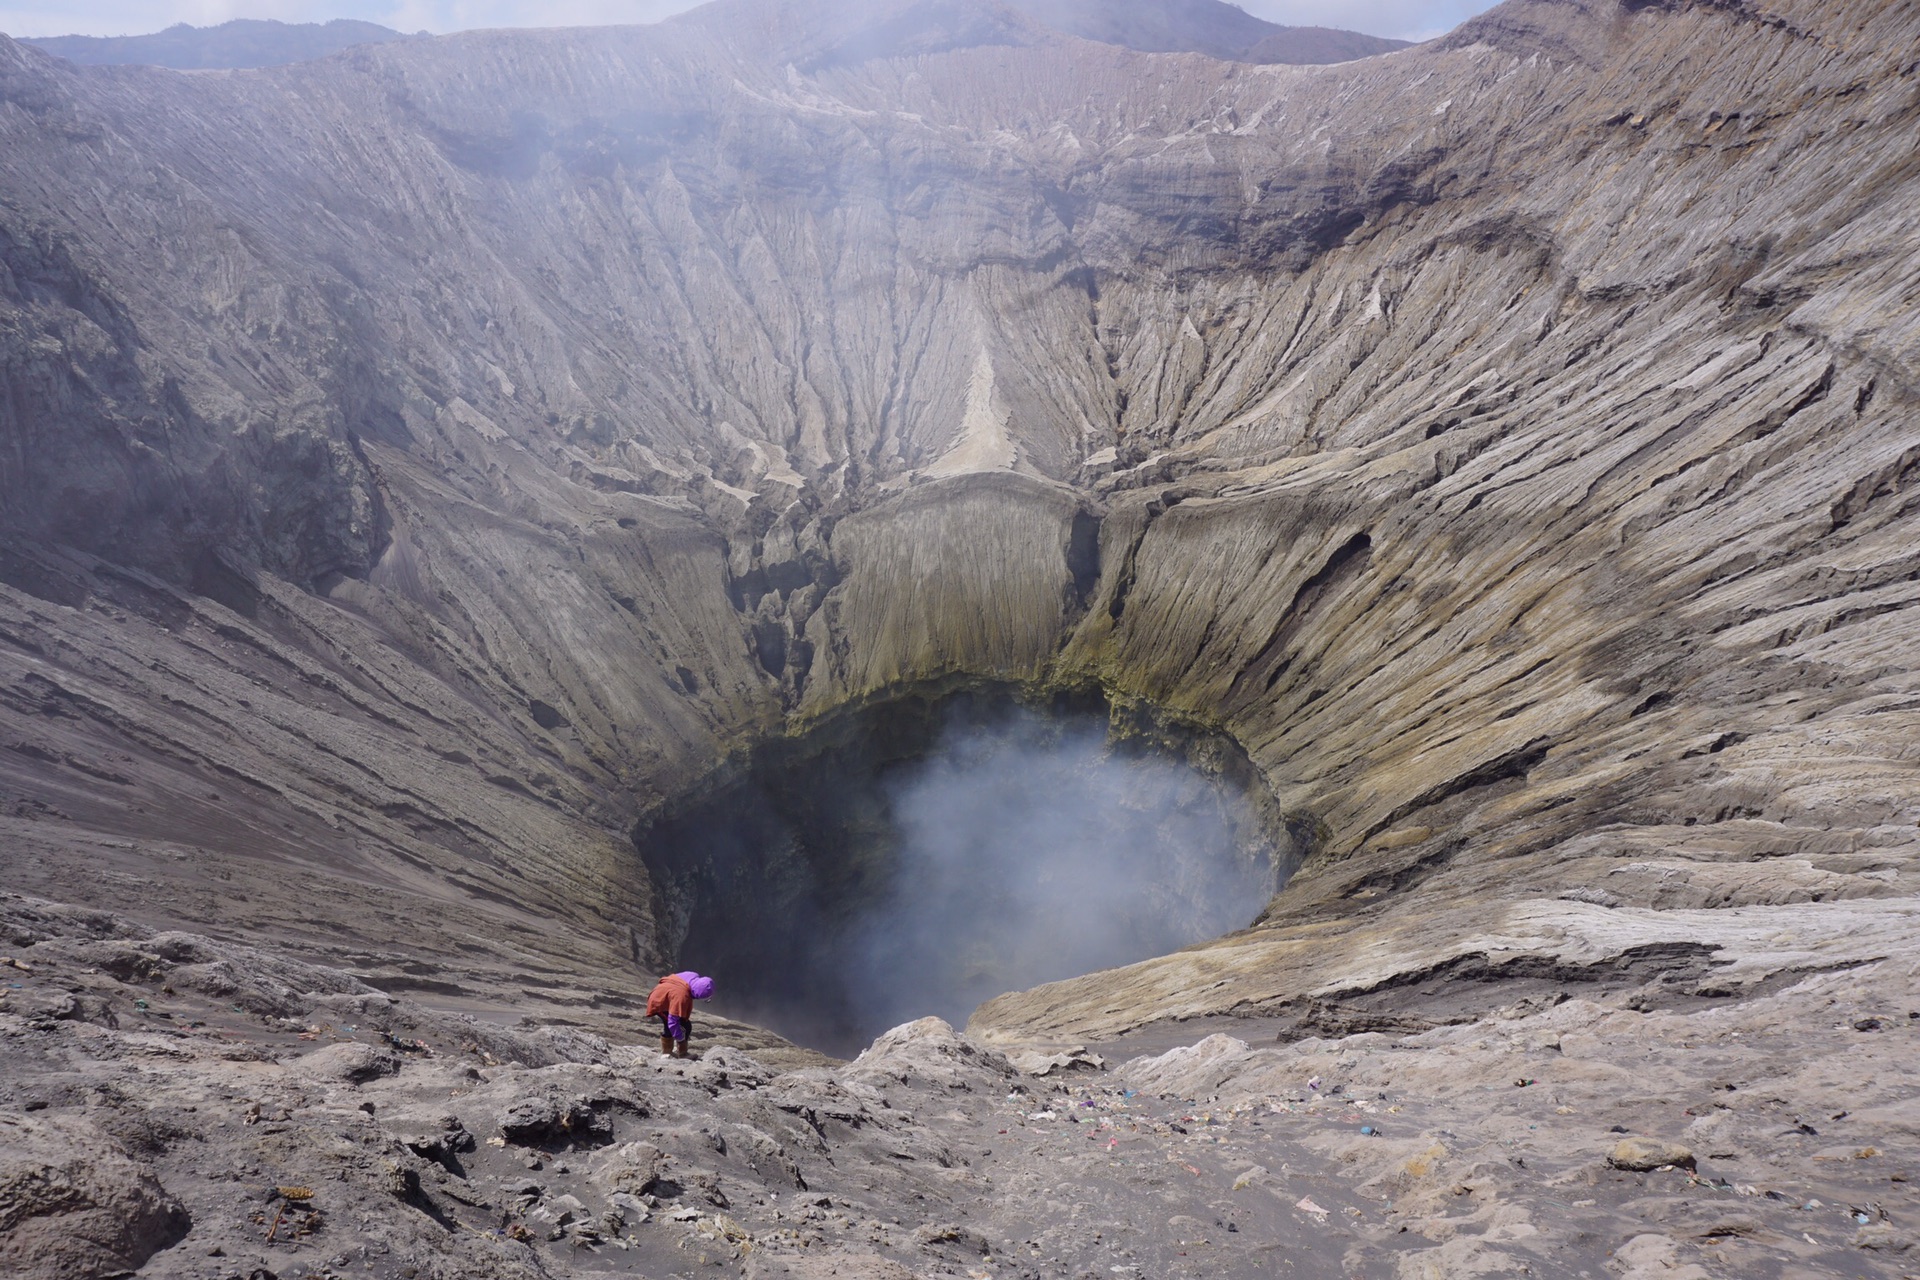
x: 815, y: 34
x: 244, y: 42
x: 1211, y: 27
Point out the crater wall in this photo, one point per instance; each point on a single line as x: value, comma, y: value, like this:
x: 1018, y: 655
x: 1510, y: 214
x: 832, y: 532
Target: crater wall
x: 422, y: 464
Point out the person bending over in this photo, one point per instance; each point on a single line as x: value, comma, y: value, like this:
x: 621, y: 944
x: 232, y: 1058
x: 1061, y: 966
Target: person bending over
x: 672, y: 1003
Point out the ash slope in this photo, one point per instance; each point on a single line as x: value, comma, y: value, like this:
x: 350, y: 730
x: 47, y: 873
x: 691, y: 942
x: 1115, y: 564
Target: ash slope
x: 422, y: 465
x: 210, y: 1110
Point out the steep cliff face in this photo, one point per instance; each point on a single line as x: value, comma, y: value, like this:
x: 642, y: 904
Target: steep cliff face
x: 447, y: 453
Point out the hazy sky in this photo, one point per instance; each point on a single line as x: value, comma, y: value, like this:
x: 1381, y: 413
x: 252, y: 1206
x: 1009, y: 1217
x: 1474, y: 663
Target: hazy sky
x: 1410, y: 19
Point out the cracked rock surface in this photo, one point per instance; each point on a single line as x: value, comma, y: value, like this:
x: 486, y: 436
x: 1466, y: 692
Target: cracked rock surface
x: 1771, y: 1137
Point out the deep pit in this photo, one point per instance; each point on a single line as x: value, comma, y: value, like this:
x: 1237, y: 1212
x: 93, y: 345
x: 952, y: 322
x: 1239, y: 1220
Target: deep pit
x: 925, y: 854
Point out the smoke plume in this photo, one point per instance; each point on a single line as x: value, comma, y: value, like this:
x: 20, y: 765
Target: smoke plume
x: 1030, y: 852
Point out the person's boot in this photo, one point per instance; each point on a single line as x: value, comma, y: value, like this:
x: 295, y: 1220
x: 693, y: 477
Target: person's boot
x: 666, y: 1046
x: 679, y: 1048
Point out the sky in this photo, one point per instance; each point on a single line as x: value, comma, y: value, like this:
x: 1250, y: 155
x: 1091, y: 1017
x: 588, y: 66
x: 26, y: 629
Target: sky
x: 1407, y: 19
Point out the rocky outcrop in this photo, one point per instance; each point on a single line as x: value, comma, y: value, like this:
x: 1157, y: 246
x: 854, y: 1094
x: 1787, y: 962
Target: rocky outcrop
x: 1769, y: 1136
x: 73, y: 1205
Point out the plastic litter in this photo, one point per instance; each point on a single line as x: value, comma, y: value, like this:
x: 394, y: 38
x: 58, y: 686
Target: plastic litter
x: 407, y: 1046
x: 1369, y: 1131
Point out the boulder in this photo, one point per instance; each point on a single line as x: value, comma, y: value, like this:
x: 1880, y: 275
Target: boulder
x: 349, y: 1063
x: 1203, y: 1069
x: 1638, y: 1155
x: 74, y: 1205
x: 1037, y: 1062
x: 1883, y: 1237
x: 631, y: 1168
x: 431, y: 1135
x: 930, y: 1051
x: 554, y: 1122
x: 948, y: 1233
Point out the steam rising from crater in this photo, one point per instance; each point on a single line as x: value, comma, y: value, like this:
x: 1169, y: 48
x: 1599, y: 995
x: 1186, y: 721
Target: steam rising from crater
x: 1029, y: 853
x: 1017, y: 848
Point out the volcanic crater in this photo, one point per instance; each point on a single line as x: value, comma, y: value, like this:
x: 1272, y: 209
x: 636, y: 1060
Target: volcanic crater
x: 495, y: 517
